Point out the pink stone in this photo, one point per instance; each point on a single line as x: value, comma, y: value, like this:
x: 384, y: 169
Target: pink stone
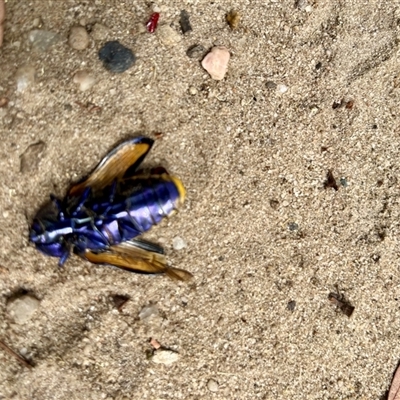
x: 216, y: 62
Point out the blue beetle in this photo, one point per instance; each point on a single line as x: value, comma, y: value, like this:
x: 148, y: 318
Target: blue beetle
x: 101, y: 218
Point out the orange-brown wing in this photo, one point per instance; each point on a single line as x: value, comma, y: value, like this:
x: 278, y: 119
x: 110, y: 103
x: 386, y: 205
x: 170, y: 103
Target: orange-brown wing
x: 114, y: 165
x: 137, y: 256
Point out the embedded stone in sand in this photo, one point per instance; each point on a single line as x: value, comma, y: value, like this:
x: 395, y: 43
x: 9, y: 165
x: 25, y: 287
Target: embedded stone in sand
x: 216, y: 62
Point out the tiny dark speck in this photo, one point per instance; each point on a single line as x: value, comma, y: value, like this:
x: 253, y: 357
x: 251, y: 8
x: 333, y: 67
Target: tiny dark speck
x: 374, y: 126
x: 293, y: 226
x: 274, y: 204
x: 184, y: 22
x: 330, y: 181
x: 291, y: 305
x: 318, y: 65
x: 119, y: 301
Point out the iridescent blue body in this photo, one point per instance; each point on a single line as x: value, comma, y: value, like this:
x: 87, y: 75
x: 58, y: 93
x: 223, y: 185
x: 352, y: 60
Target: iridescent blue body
x: 99, y: 215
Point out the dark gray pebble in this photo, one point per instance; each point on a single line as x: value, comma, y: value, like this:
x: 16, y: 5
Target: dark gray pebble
x: 291, y: 305
x: 184, y: 22
x: 116, y: 57
x: 196, y: 51
x: 271, y: 85
x: 343, y: 182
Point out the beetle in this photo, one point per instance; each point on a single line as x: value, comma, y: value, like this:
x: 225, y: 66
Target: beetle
x: 102, y: 217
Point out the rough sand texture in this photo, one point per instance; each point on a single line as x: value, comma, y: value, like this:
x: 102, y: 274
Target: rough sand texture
x: 237, y: 145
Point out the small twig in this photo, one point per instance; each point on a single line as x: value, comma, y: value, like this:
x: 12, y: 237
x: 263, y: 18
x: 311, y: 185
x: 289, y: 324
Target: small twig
x: 15, y: 355
x: 2, y: 16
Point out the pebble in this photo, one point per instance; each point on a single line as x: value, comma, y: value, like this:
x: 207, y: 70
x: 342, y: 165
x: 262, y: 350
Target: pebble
x: 178, y: 243
x: 31, y: 157
x: 196, y: 51
x: 87, y: 350
x: 37, y: 22
x: 148, y: 311
x: 343, y: 182
x: 185, y: 22
x: 25, y: 77
x: 216, y: 62
x: 42, y: 40
x: 193, y: 91
x: 291, y: 305
x: 78, y: 38
x: 116, y: 57
x: 271, y: 85
x: 22, y: 308
x: 155, y: 343
x: 84, y: 79
x: 292, y: 226
x: 100, y: 32
x: 281, y: 88
x: 212, y: 385
x: 168, y: 36
x: 301, y: 4
x: 165, y: 356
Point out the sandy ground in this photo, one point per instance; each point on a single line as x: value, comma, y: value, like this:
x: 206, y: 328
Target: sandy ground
x: 266, y: 241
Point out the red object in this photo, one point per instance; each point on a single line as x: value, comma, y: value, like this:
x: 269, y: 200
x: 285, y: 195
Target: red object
x: 151, y: 24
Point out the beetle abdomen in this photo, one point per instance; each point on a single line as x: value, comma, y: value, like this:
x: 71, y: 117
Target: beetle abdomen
x: 137, y: 205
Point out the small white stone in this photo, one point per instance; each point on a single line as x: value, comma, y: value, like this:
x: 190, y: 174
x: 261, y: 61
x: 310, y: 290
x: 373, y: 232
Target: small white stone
x: 25, y: 77
x: 42, y: 40
x: 100, y: 32
x: 301, y: 4
x: 84, y: 79
x: 164, y: 356
x: 22, y: 308
x: 178, y: 243
x: 87, y: 350
x: 23, y: 351
x: 36, y: 22
x: 216, y: 62
x: 148, y: 311
x: 78, y: 38
x: 212, y: 385
x: 168, y: 36
x: 281, y: 88
x: 193, y: 91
